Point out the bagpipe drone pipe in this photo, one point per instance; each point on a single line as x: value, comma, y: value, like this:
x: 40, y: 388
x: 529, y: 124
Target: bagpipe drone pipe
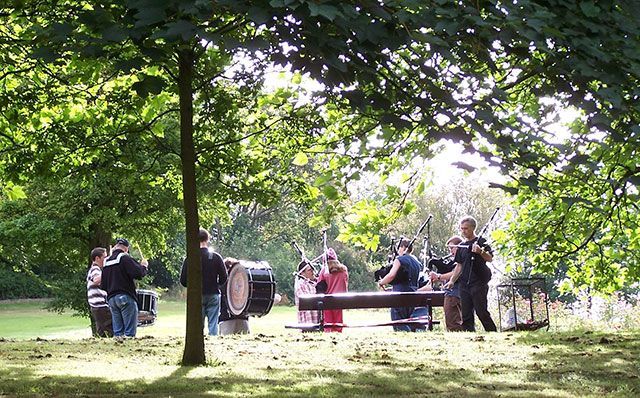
x: 321, y: 287
x: 402, y: 275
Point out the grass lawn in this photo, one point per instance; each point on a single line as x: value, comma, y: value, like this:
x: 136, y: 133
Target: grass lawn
x: 27, y: 319
x: 276, y: 362
x: 23, y: 319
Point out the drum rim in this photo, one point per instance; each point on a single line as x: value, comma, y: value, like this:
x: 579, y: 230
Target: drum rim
x: 146, y: 291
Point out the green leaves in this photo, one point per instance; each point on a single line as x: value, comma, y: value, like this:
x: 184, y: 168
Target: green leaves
x: 301, y: 159
x: 148, y: 84
x: 149, y: 13
x: 328, y: 11
x: 13, y: 192
x: 397, y: 77
x: 330, y: 192
x: 589, y: 8
x: 363, y: 225
x: 45, y: 54
x: 178, y: 30
x: 573, y: 217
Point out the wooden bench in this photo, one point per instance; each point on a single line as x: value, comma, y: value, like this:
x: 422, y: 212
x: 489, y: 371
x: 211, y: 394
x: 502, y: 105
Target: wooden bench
x: 347, y: 301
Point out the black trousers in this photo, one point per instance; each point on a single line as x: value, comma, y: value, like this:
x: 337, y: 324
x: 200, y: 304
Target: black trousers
x: 102, y: 316
x: 474, y: 298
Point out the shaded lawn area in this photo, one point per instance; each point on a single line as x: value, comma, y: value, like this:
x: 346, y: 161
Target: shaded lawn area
x: 374, y: 363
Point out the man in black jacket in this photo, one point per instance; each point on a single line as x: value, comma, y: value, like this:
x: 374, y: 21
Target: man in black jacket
x: 118, y: 274
x: 474, y: 276
x: 214, y: 274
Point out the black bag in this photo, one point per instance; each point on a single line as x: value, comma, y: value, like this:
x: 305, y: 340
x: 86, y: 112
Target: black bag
x: 442, y: 266
x: 321, y: 287
x: 402, y: 276
x: 381, y: 273
x: 423, y: 280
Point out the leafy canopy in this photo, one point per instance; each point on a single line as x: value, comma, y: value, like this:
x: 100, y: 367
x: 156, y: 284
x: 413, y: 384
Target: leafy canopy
x: 399, y: 76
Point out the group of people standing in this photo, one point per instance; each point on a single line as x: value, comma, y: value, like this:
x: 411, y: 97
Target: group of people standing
x: 111, y: 290
x: 466, y: 286
x: 112, y: 297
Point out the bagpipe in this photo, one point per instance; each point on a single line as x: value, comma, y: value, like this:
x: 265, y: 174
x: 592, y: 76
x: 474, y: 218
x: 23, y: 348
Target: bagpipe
x: 321, y: 287
x: 385, y: 269
x: 431, y: 263
x: 402, y: 275
x: 441, y: 265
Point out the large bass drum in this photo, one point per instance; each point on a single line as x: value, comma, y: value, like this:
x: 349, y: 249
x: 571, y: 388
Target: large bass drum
x: 251, y: 289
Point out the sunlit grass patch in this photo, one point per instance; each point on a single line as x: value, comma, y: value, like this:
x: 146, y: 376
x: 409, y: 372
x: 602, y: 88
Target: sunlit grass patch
x: 382, y: 363
x: 279, y: 362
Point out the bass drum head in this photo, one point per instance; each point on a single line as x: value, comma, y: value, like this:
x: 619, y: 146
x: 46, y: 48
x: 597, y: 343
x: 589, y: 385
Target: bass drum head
x: 238, y: 290
x: 251, y: 289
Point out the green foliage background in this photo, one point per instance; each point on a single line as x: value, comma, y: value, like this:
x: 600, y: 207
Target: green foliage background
x: 91, y: 144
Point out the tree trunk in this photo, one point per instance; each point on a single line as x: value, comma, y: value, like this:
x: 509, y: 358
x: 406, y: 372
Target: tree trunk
x: 194, y: 339
x: 99, y: 238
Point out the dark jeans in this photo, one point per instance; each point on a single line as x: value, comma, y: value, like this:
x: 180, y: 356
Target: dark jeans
x: 474, y: 298
x: 402, y: 312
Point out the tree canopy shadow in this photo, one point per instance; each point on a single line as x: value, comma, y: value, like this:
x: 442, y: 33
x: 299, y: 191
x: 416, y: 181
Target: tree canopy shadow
x: 538, y: 365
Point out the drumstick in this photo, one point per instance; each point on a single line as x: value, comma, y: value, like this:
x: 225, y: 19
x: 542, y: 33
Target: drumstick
x: 143, y: 261
x: 139, y: 251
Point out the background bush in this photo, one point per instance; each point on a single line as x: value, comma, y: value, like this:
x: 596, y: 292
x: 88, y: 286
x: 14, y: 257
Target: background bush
x: 14, y: 285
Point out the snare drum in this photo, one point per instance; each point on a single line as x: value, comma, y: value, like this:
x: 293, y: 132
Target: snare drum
x: 251, y: 289
x: 147, y: 307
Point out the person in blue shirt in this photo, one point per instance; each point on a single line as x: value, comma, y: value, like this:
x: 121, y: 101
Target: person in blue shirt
x: 403, y: 277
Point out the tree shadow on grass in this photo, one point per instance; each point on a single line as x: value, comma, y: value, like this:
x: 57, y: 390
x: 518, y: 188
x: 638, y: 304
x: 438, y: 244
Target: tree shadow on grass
x: 601, y: 363
x: 406, y: 366
x: 22, y: 380
x: 374, y: 377
x: 280, y: 383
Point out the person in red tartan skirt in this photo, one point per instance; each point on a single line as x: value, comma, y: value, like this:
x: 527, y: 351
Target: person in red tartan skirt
x: 337, y: 277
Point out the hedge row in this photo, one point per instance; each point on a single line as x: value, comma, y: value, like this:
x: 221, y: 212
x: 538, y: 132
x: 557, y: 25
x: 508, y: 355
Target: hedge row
x: 14, y: 285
